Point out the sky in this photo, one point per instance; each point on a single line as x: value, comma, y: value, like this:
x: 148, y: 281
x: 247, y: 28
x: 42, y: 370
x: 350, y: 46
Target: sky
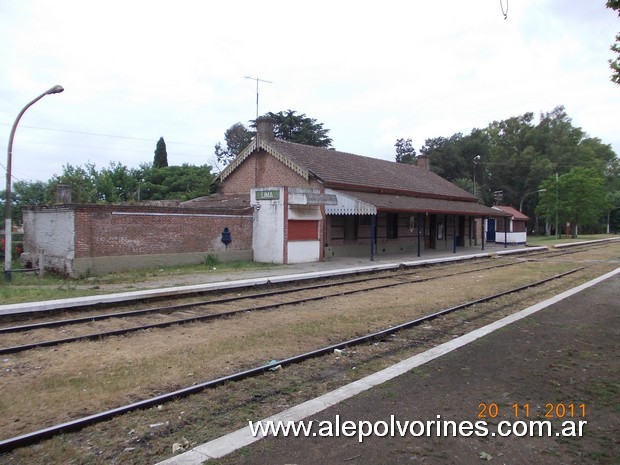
x: 371, y: 72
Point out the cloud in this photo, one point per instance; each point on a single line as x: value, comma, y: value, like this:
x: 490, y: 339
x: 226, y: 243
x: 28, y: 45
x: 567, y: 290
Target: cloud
x: 135, y: 71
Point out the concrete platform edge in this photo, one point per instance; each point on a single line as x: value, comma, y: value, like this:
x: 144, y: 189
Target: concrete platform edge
x: 33, y: 307
x: 243, y: 437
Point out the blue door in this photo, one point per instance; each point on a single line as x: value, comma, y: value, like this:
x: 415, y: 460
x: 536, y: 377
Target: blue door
x: 491, y: 230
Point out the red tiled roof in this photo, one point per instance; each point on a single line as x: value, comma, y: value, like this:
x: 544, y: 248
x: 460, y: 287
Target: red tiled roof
x: 516, y: 214
x: 423, y: 205
x: 385, y: 184
x: 342, y: 170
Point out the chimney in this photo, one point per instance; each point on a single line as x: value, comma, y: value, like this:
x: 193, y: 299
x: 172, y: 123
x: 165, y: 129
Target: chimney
x: 264, y: 128
x: 63, y: 194
x: 423, y: 162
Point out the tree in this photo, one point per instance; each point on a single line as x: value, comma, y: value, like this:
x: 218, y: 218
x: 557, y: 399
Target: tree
x: 615, y: 47
x: 237, y: 137
x: 405, y: 153
x: 184, y: 182
x: 612, y: 220
x: 578, y: 197
x: 30, y: 193
x: 446, y: 157
x: 517, y: 154
x: 287, y: 126
x: 467, y: 184
x: 161, y: 156
x: 82, y: 182
x: 300, y: 129
x: 117, y: 183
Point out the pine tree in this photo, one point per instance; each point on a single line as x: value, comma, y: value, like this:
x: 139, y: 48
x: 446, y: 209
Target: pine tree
x: 161, y: 156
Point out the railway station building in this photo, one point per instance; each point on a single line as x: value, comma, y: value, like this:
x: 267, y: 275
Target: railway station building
x: 276, y: 202
x: 313, y: 203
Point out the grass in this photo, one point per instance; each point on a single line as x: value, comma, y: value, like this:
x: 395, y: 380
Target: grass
x: 551, y: 240
x: 29, y: 287
x: 127, y: 368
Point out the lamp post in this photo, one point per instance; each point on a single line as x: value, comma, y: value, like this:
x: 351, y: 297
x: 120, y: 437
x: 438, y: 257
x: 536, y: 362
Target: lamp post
x: 523, y: 198
x: 476, y: 159
x: 7, y: 205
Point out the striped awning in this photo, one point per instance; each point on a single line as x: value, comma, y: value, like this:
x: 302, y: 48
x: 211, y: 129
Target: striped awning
x: 367, y: 203
x: 348, y: 205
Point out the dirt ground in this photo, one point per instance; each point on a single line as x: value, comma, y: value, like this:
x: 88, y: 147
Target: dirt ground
x: 451, y: 387
x: 565, y: 354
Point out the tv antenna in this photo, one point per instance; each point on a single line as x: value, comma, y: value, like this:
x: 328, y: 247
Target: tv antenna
x: 257, y: 81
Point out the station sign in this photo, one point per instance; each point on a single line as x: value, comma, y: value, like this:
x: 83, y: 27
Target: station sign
x: 273, y: 194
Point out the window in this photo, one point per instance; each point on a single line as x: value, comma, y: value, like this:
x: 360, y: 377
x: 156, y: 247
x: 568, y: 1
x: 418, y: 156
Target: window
x: 350, y: 227
x: 392, y: 225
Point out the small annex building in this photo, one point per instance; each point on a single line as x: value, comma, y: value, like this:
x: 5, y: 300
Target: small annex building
x: 505, y: 229
x: 313, y: 203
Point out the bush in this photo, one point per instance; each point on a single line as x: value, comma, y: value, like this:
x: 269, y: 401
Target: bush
x: 211, y: 260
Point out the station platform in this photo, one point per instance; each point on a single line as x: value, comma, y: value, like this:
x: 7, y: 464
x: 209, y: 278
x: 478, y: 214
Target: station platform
x: 556, y: 361
x: 204, y: 282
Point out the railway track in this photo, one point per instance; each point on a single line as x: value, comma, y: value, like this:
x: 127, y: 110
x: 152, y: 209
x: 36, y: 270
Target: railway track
x: 180, y: 293
x: 296, y: 295
x: 211, y: 309
x: 34, y: 437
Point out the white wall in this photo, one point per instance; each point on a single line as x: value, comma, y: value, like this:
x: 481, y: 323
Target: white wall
x: 303, y: 251
x: 511, y: 237
x: 52, y: 233
x: 268, y: 232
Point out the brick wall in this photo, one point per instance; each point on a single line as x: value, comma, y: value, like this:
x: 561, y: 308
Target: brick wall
x: 262, y: 170
x: 113, y: 230
x: 106, y: 238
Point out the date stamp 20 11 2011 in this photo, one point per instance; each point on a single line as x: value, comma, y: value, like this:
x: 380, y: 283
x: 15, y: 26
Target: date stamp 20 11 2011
x: 550, y: 410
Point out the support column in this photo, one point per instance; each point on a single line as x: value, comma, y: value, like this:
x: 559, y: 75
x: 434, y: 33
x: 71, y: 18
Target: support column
x: 419, y: 230
x: 373, y: 236
x: 454, y: 234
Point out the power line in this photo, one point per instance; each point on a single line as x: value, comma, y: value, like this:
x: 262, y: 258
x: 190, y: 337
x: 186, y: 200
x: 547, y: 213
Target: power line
x: 115, y: 136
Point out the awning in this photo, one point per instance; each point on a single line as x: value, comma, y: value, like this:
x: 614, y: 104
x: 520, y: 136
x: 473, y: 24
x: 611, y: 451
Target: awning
x: 367, y: 203
x: 348, y: 205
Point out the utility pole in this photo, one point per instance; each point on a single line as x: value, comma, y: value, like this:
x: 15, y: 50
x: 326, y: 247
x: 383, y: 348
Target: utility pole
x: 257, y: 81
x: 557, y: 205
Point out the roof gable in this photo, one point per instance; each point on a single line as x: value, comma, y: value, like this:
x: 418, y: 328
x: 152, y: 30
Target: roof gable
x: 516, y: 214
x: 254, y: 146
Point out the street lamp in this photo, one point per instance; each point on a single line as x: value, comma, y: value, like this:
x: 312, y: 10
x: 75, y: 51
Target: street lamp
x: 476, y: 158
x: 7, y: 204
x: 533, y: 192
